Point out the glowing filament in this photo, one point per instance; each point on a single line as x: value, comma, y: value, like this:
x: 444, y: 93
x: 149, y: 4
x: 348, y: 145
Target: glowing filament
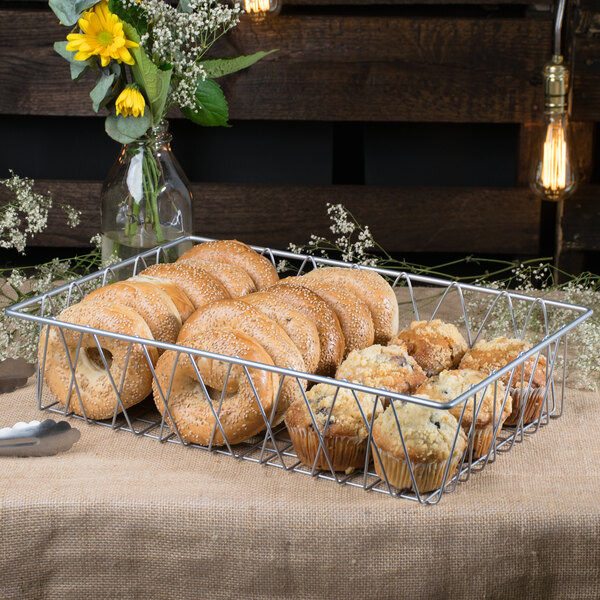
x: 257, y: 6
x: 554, y: 162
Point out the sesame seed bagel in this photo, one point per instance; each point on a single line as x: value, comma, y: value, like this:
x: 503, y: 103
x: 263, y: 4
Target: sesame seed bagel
x: 234, y: 279
x: 240, y: 413
x: 372, y: 289
x: 178, y: 296
x: 331, y: 338
x: 251, y: 321
x: 200, y: 287
x: 153, y: 305
x: 354, y: 315
x: 238, y: 254
x: 300, y: 329
x: 98, y: 396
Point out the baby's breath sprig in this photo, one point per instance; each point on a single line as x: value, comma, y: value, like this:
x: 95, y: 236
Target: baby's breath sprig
x: 23, y: 215
x: 181, y: 38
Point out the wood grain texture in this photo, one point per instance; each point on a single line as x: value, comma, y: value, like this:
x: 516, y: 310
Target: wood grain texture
x: 580, y: 229
x: 328, y: 68
x: 586, y: 70
x: 401, y: 219
x: 412, y: 2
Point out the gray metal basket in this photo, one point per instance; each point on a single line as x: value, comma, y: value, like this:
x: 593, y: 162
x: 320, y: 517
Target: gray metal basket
x: 544, y: 322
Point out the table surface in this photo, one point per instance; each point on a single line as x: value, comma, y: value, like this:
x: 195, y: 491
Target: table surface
x: 120, y: 516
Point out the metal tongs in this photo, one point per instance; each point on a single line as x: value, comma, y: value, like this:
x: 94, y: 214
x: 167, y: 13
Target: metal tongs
x: 37, y: 439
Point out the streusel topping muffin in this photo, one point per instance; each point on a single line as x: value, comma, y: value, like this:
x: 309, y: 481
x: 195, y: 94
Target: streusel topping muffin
x: 528, y: 397
x: 435, y: 345
x: 495, y: 407
x: 448, y: 385
x: 497, y: 353
x: 389, y: 367
x: 434, y: 443
x: 428, y: 432
x: 345, y: 417
x: 338, y: 420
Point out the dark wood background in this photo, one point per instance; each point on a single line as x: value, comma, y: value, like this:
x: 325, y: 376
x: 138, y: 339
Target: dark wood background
x: 420, y: 118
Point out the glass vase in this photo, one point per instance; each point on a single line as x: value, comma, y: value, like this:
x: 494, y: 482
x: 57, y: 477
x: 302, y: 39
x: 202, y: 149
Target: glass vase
x: 146, y: 198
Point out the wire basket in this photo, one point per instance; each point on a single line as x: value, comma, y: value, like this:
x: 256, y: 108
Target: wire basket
x: 477, y: 311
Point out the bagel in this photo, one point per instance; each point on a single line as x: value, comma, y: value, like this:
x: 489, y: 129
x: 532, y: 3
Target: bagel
x: 178, y: 296
x: 244, y: 318
x: 238, y: 254
x: 152, y: 304
x: 98, y: 395
x: 200, y: 287
x: 372, y: 289
x: 240, y: 415
x: 354, y: 315
x: 331, y: 338
x: 234, y: 279
x: 300, y: 329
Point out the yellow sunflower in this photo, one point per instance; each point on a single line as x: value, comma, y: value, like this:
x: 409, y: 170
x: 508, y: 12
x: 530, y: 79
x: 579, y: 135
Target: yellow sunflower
x: 102, y: 35
x: 130, y: 102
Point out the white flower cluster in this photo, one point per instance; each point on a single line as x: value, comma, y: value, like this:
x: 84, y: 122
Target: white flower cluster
x: 181, y: 37
x: 73, y: 215
x: 351, y: 243
x: 26, y: 214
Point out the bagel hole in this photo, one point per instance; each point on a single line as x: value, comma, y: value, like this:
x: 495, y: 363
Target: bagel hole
x: 95, y: 358
x: 215, y: 394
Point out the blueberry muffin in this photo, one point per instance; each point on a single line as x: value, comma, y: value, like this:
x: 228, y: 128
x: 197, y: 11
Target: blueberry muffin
x: 432, y: 438
x: 389, y: 367
x: 528, y: 384
x: 343, y: 427
x: 492, y: 414
x: 435, y: 345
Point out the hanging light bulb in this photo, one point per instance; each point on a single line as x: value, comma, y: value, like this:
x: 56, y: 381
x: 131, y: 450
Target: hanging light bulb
x: 554, y: 166
x: 553, y: 170
x: 262, y: 8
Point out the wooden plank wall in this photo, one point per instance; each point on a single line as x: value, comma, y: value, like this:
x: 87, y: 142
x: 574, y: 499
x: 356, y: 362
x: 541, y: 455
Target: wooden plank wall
x: 361, y: 61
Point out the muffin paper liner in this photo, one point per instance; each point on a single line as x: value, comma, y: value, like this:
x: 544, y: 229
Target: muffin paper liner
x: 534, y: 399
x: 344, y: 452
x: 483, y: 438
x: 429, y: 476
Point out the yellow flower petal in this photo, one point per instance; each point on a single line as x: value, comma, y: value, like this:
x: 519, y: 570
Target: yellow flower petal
x: 101, y: 35
x: 130, y: 102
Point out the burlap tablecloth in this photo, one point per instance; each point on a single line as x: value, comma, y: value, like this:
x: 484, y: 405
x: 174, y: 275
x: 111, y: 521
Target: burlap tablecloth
x: 125, y: 517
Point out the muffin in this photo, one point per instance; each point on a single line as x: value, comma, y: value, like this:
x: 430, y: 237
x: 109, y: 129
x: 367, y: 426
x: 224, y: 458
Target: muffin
x: 345, y: 431
x: 435, y: 345
x: 448, y: 385
x: 428, y: 434
x: 493, y: 355
x: 389, y: 367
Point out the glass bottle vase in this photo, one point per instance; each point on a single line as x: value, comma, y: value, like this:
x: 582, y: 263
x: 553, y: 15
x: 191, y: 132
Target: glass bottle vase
x: 146, y: 198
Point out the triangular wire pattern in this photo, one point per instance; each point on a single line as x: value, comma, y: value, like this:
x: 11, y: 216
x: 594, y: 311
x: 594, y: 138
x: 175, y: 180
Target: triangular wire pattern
x: 477, y: 311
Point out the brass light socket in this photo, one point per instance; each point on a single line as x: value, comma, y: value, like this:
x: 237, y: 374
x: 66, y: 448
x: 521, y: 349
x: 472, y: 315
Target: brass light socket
x: 556, y: 85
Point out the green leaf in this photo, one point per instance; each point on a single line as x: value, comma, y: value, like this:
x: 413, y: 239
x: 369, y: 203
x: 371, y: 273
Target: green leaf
x: 69, y: 11
x: 184, y: 6
x: 132, y: 14
x: 211, y: 105
x: 218, y: 67
x: 153, y: 80
x: 78, y: 67
x: 102, y: 91
x: 131, y: 33
x: 126, y: 130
